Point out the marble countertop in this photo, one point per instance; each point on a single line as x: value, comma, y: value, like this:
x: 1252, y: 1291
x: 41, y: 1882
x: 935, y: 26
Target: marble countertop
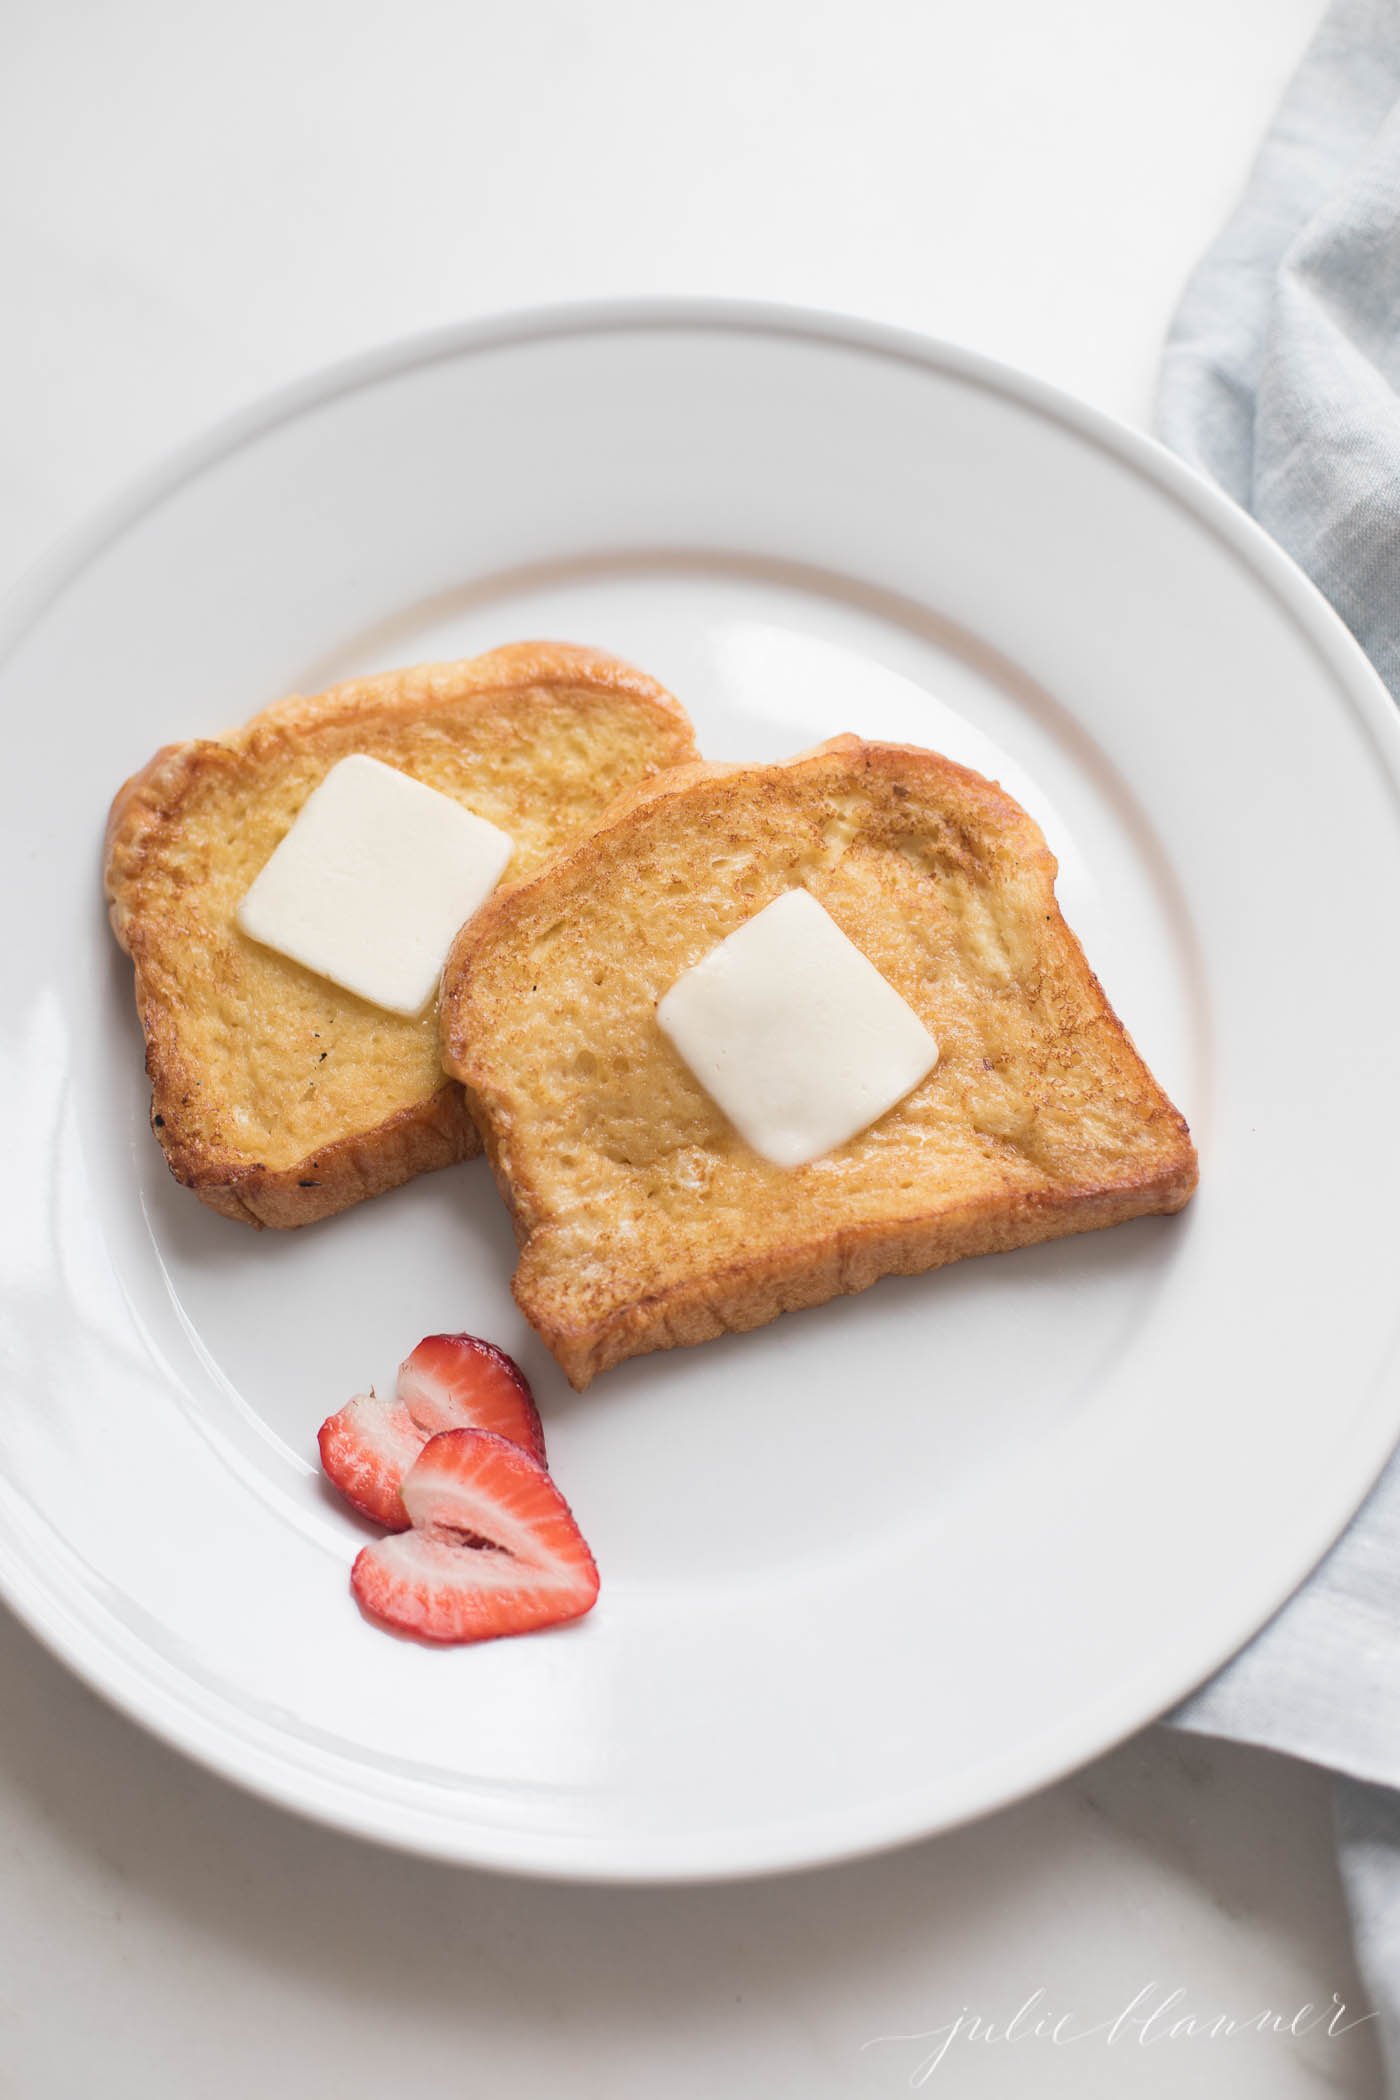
x: 197, y: 203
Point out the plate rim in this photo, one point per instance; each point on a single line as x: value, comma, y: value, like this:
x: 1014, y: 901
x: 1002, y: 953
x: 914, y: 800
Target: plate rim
x: 324, y: 1799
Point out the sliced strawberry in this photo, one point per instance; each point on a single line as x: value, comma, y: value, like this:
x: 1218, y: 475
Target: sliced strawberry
x: 451, y: 1381
x: 459, y: 1593
x: 366, y: 1449
x: 534, y: 1571
x: 474, y: 1482
x: 456, y: 1381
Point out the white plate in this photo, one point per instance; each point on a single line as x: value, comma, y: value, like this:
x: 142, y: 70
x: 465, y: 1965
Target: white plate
x: 1086, y: 1472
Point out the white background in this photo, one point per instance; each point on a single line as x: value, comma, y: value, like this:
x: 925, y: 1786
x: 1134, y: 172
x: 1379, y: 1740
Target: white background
x: 198, y: 202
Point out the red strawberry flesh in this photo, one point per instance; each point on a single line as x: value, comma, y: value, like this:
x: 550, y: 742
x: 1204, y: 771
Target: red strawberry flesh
x: 366, y: 1449
x: 457, y: 1593
x: 451, y: 1381
x: 457, y: 1381
x: 473, y: 1483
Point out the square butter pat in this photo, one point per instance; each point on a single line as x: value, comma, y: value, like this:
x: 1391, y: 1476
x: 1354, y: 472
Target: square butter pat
x: 795, y: 1033
x: 372, y: 882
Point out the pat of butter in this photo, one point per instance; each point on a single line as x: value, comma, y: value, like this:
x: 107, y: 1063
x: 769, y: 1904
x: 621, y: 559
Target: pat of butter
x: 372, y: 882
x: 795, y: 1033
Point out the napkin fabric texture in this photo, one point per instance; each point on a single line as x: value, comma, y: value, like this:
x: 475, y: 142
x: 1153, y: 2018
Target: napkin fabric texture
x: 1279, y: 382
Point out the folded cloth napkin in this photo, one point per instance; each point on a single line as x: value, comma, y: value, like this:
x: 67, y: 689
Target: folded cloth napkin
x: 1281, y: 382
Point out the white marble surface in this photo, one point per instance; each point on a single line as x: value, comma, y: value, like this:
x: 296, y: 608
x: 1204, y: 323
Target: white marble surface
x: 197, y: 202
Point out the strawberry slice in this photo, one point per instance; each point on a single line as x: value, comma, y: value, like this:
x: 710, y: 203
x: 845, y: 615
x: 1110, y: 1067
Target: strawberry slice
x: 366, y: 1449
x: 451, y: 1381
x: 457, y: 1381
x: 534, y: 1570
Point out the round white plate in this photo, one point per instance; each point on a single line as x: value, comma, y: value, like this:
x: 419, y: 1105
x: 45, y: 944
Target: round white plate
x: 1084, y: 1473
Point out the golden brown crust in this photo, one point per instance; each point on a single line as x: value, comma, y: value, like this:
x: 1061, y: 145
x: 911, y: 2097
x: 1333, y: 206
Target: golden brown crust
x: 150, y: 800
x: 154, y: 811
x: 1011, y: 1164
x: 416, y: 1140
x: 794, y: 1278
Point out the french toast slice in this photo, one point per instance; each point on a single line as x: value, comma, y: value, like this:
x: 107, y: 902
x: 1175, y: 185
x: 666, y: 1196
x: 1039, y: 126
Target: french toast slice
x: 644, y: 1220
x: 278, y: 1097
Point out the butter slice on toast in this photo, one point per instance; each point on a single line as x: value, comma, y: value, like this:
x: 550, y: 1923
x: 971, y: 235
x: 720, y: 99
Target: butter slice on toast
x: 644, y: 1219
x: 278, y: 1097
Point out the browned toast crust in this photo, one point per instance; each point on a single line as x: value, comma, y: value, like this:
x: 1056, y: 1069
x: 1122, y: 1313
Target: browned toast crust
x: 552, y: 730
x: 644, y: 1221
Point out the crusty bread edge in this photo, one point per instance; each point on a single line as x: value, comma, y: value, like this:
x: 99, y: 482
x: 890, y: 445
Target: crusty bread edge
x: 425, y: 1135
x: 753, y: 1291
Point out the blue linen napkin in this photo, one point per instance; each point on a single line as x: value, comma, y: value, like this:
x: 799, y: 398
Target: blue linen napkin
x: 1281, y: 382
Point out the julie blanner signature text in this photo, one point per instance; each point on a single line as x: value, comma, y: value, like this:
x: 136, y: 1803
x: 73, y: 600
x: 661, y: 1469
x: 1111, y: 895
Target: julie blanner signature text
x: 1154, y: 2015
